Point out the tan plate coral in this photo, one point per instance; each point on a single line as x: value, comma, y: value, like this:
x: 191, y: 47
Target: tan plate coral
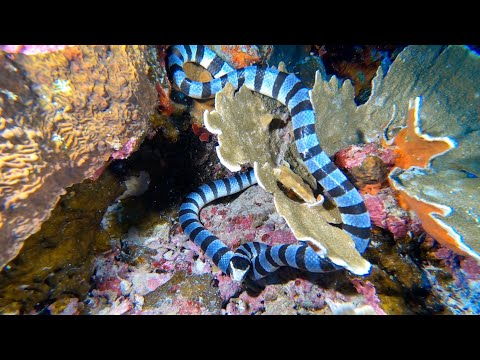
x: 245, y: 137
x: 428, y: 191
x: 446, y: 78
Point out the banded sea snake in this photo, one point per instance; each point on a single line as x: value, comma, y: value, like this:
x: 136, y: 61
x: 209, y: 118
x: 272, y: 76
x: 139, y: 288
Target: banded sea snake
x: 254, y: 258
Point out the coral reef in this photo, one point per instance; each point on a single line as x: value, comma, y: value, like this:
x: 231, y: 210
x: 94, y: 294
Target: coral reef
x: 369, y: 166
x: 426, y: 191
x: 242, y: 125
x: 445, y: 78
x: 193, y: 285
x: 113, y: 245
x: 412, y: 266
x: 63, y: 114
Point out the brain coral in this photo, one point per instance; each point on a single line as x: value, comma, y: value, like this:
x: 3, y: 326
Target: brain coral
x: 62, y: 115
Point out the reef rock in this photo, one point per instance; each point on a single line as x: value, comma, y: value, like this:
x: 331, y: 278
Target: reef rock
x: 63, y: 115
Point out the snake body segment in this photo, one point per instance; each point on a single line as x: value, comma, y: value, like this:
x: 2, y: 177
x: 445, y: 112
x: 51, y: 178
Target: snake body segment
x: 288, y: 90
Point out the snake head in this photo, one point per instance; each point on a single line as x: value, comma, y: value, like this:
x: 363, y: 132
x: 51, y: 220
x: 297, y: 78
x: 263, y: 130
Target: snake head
x: 239, y: 267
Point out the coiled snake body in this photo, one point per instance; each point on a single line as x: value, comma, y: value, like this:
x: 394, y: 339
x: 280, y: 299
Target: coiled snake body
x: 255, y: 258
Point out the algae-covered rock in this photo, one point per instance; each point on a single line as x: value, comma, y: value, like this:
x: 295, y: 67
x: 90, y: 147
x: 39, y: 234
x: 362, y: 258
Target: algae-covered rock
x: 63, y: 114
x: 57, y: 261
x: 245, y: 137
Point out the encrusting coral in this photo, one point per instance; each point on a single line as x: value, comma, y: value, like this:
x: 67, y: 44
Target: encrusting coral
x: 63, y: 115
x: 243, y: 127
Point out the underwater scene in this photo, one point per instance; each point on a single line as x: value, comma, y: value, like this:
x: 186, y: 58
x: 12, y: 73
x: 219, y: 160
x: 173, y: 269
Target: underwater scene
x: 239, y: 179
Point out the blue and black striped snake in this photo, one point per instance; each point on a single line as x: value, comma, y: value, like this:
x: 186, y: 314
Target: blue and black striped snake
x: 254, y: 258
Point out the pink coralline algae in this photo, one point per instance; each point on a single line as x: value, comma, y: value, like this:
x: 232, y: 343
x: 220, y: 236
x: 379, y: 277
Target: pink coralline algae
x: 246, y: 304
x: 369, y: 165
x: 354, y: 155
x: 386, y: 213
x: 145, y: 282
x: 187, y: 307
x: 126, y: 150
x: 121, y: 288
x: 178, y: 278
x: 301, y: 296
x: 367, y: 289
x: 32, y: 49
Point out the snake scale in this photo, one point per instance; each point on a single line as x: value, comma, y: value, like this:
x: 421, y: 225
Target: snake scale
x: 254, y: 258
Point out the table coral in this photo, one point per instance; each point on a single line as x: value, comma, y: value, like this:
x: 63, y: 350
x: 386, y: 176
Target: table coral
x: 62, y: 115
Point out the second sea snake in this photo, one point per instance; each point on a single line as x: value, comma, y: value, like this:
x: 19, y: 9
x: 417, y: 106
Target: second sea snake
x: 288, y: 90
